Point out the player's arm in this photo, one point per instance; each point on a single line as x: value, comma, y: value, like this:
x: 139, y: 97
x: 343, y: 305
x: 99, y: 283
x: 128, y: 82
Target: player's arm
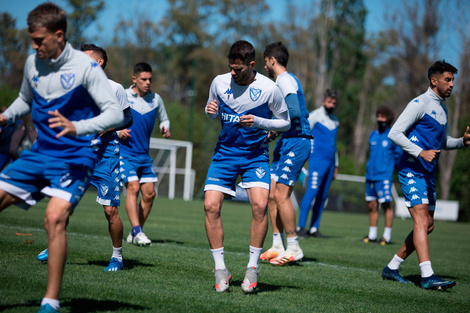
x: 412, y: 113
x: 293, y: 105
x: 212, y: 106
x: 452, y: 143
x: 164, y: 120
x: 111, y: 115
x: 313, y: 118
x: 121, y: 97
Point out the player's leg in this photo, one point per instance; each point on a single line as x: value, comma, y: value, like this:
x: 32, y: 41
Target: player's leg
x: 7, y: 199
x: 115, y: 229
x: 311, y: 192
x: 373, y: 221
x: 388, y: 217
x: 325, y: 178
x: 55, y: 221
x: 276, y: 224
x: 132, y: 189
x: 146, y: 201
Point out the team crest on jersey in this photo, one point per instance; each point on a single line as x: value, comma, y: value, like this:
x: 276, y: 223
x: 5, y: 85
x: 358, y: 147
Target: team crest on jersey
x: 260, y: 172
x: 384, y: 143
x: 151, y: 103
x: 104, y: 189
x: 65, y: 180
x: 67, y: 80
x: 255, y: 93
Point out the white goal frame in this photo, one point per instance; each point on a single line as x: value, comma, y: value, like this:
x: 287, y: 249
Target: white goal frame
x: 170, y: 168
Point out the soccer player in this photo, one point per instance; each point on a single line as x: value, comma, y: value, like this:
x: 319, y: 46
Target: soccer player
x: 322, y: 165
x: 422, y: 132
x: 290, y: 154
x: 383, y: 157
x: 106, y: 175
x: 245, y: 102
x: 70, y: 99
x: 138, y: 172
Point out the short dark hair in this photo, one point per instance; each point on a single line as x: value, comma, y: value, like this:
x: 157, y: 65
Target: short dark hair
x: 330, y: 93
x: 100, y: 51
x: 385, y: 110
x: 440, y: 67
x: 278, y: 51
x: 142, y: 67
x: 47, y: 15
x: 242, y: 50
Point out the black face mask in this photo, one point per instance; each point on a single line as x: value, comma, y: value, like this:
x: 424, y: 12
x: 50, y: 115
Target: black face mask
x: 382, y: 126
x: 329, y: 110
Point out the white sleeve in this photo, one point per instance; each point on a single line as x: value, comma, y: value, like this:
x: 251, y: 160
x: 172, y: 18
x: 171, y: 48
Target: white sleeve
x: 413, y: 112
x: 212, y: 96
x: 162, y: 115
x: 111, y: 115
x: 313, y: 118
x: 451, y: 142
x: 278, y: 106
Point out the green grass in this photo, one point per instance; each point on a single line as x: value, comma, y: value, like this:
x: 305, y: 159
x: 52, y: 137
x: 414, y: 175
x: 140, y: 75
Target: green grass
x: 339, y: 274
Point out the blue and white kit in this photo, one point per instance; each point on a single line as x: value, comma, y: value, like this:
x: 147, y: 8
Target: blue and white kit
x: 107, y: 173
x: 136, y: 161
x: 61, y: 167
x: 383, y: 158
x: 422, y: 126
x: 294, y: 147
x: 244, y: 150
x: 321, y: 165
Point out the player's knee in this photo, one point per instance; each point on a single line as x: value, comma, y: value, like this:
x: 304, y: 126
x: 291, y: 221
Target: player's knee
x: 211, y: 208
x: 53, y: 220
x: 110, y: 212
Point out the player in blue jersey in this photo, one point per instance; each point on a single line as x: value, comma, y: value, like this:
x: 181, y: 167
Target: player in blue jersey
x: 138, y: 171
x: 290, y: 154
x: 383, y: 157
x: 322, y: 164
x: 70, y: 99
x: 245, y: 102
x: 422, y: 132
x: 106, y: 175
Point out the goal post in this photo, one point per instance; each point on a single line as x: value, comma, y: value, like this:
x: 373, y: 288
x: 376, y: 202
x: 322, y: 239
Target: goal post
x: 167, y: 160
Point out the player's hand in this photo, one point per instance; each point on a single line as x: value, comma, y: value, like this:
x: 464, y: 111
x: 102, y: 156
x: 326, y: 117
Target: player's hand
x: 272, y: 135
x: 3, y: 120
x: 68, y: 128
x: 429, y: 155
x: 212, y: 107
x: 246, y: 120
x: 124, y: 134
x: 165, y: 132
x: 466, y: 137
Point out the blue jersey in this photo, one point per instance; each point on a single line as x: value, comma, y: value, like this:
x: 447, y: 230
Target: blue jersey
x: 289, y: 84
x: 261, y: 98
x: 423, y: 126
x: 78, y: 92
x: 383, y: 156
x: 145, y: 111
x: 324, y: 130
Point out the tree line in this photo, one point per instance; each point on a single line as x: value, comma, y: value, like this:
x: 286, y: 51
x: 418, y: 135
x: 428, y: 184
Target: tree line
x: 329, y: 48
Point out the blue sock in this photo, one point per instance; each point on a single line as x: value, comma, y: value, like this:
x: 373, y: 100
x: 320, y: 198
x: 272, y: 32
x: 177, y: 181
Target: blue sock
x: 135, y: 230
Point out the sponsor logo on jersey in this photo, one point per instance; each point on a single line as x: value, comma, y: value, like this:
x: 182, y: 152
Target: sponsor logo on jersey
x: 410, y: 175
x: 104, y: 189
x: 415, y: 197
x: 283, y: 176
x: 81, y: 188
x: 413, y: 189
x: 260, y: 172
x: 291, y: 154
x: 67, y: 80
x: 410, y: 160
x: 411, y: 182
x: 117, y: 188
x: 228, y: 92
x: 434, y: 113
x: 231, y: 118
x: 414, y: 138
x: 213, y: 179
x: 117, y: 198
x: 288, y: 161
x: 94, y: 64
x: 255, y: 93
x: 286, y: 169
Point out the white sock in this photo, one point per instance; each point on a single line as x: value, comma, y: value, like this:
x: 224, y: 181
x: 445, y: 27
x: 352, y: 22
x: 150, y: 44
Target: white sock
x: 117, y: 253
x: 278, y: 240
x: 55, y: 304
x: 292, y: 242
x: 387, y: 233
x: 372, y: 232
x: 426, y: 269
x: 254, y: 257
x: 218, y: 255
x: 395, y: 262
x: 313, y: 230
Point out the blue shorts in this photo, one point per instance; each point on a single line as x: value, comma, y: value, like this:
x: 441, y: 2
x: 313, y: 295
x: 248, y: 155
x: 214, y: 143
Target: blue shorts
x: 222, y: 175
x: 290, y: 155
x: 418, y: 188
x: 380, y: 190
x: 107, y: 181
x: 34, y: 176
x: 138, y: 168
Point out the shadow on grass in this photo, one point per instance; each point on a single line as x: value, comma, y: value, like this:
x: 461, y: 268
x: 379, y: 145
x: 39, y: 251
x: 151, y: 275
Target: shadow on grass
x: 167, y: 241
x: 80, y: 305
x: 261, y: 287
x: 128, y: 264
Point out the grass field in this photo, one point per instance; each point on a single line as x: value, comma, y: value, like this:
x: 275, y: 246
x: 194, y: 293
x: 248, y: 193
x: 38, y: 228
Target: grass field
x: 339, y: 274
